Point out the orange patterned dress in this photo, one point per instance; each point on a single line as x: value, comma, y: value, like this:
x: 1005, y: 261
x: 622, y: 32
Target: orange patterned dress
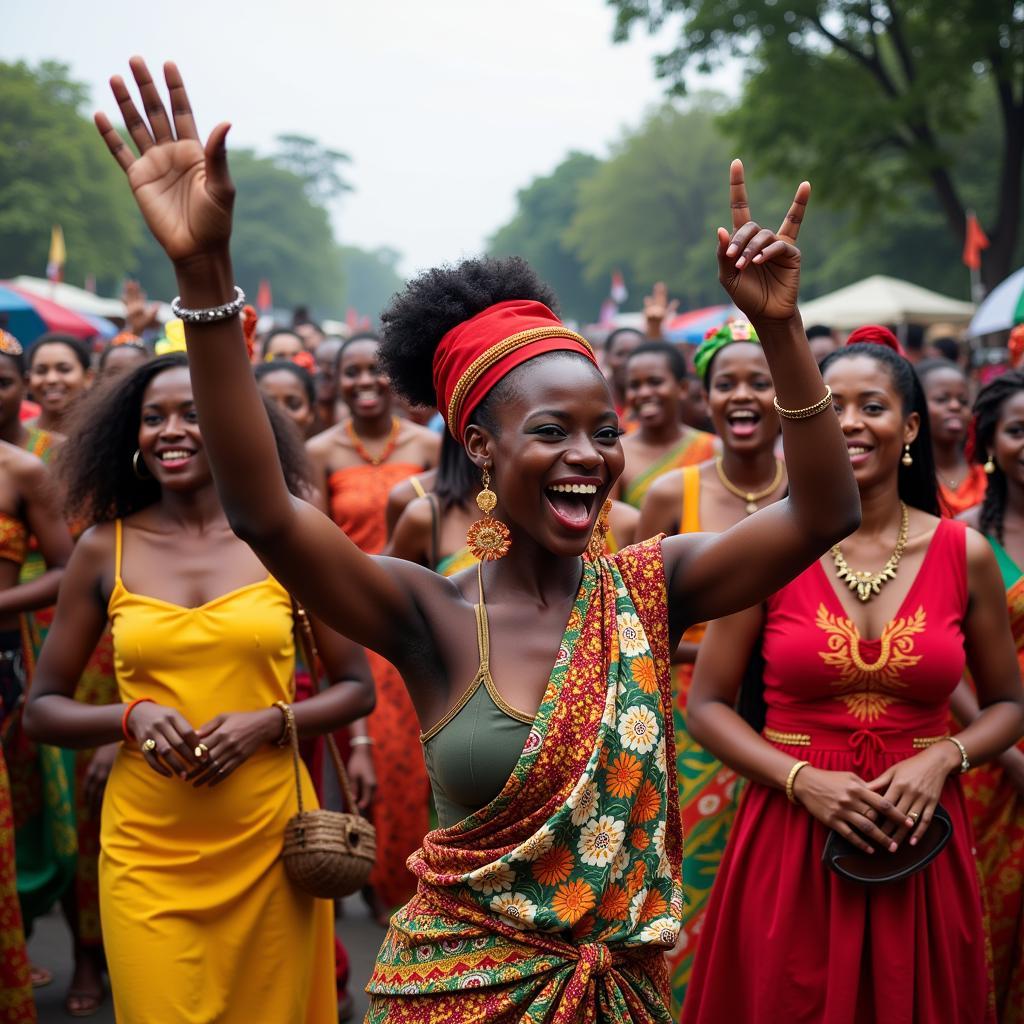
x: 358, y: 500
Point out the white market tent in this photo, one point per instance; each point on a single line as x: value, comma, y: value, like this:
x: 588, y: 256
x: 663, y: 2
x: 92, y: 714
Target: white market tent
x: 78, y: 300
x: 884, y: 300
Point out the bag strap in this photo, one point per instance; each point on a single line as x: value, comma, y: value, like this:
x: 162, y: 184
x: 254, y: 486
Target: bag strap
x: 307, y: 640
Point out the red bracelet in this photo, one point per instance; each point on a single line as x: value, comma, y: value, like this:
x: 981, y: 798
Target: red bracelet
x: 127, y: 711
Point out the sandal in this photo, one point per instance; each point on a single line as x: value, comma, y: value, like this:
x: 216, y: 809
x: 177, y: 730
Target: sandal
x: 40, y: 976
x: 83, y: 1004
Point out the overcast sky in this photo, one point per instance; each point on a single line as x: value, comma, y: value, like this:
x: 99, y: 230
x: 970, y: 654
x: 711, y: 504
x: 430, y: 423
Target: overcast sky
x: 446, y: 107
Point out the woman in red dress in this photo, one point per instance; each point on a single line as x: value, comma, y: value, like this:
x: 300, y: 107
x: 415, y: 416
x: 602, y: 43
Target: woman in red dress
x: 854, y: 727
x: 358, y: 462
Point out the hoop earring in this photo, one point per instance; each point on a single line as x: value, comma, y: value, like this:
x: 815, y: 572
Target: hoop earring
x: 488, y: 539
x: 135, y: 466
x: 908, y: 459
x: 990, y: 466
x: 598, y: 539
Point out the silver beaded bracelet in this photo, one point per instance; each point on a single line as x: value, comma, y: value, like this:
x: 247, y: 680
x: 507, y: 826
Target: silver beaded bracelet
x: 211, y: 315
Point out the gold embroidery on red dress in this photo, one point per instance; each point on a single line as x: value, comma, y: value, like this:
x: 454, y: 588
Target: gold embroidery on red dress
x: 868, y: 688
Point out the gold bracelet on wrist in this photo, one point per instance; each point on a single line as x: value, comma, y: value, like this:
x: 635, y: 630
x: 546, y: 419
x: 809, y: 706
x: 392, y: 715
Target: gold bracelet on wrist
x: 289, y: 722
x: 791, y: 779
x: 965, y: 761
x: 805, y: 414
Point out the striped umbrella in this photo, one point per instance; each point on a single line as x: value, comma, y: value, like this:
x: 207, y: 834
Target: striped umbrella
x: 692, y: 326
x: 30, y: 315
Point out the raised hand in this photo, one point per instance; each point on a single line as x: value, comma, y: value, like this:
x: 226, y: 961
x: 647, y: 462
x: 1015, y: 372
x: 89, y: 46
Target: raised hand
x: 182, y: 187
x: 760, y: 269
x: 658, y: 309
x: 138, y: 315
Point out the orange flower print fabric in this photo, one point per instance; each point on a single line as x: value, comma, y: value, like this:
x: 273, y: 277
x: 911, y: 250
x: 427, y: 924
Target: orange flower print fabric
x: 558, y: 900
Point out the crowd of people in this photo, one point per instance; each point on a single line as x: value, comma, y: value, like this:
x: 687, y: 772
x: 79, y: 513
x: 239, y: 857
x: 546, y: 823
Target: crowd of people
x: 628, y: 646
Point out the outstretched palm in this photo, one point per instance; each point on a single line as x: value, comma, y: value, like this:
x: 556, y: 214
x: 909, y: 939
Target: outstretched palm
x: 760, y: 269
x: 183, y: 188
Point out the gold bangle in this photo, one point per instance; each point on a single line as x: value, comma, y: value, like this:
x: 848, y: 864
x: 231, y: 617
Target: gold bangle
x: 289, y: 722
x: 791, y: 779
x: 805, y: 414
x: 965, y: 761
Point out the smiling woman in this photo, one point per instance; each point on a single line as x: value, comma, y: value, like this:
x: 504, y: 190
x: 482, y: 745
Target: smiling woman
x: 59, y: 371
x: 544, y: 880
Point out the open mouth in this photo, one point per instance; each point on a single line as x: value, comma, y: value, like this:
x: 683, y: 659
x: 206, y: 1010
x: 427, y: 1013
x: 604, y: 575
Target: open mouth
x: 174, y: 458
x: 858, y: 453
x: 743, y: 422
x: 572, y: 503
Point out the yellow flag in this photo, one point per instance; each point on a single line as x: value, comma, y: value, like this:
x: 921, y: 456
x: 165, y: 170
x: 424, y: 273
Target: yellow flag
x: 58, y: 255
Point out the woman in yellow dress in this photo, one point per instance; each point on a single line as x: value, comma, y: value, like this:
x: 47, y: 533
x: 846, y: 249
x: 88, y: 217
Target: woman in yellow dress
x: 198, y: 915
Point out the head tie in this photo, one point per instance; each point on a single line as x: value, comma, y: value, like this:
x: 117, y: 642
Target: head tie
x: 875, y: 334
x: 9, y: 344
x: 473, y: 356
x: 717, y: 338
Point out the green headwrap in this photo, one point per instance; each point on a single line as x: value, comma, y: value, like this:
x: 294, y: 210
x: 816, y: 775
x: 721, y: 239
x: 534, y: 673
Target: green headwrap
x: 729, y: 332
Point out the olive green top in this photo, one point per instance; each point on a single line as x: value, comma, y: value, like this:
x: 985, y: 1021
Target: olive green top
x: 472, y: 751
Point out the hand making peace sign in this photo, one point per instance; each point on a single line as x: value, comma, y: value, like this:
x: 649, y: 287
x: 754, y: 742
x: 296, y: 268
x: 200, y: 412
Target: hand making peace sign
x: 183, y: 188
x: 760, y: 269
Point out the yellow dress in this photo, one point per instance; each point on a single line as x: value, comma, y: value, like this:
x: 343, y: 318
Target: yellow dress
x: 200, y: 923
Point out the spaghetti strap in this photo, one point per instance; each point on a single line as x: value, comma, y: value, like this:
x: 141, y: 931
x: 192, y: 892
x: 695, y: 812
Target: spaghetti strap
x: 689, y: 516
x: 417, y: 487
x: 118, y: 547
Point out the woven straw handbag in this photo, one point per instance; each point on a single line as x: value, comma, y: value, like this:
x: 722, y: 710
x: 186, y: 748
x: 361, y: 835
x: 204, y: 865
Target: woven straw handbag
x: 328, y: 854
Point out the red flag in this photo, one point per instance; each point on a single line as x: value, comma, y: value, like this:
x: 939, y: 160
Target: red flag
x: 974, y: 241
x: 264, y: 300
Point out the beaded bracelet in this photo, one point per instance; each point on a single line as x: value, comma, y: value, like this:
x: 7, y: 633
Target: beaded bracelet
x: 805, y: 414
x: 127, y: 711
x: 212, y: 315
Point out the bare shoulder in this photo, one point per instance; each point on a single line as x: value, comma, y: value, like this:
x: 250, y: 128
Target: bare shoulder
x: 96, y: 547
x: 320, y: 444
x: 668, y: 486
x: 417, y: 514
x: 972, y: 517
x: 980, y: 556
x: 22, y: 465
x: 423, y: 440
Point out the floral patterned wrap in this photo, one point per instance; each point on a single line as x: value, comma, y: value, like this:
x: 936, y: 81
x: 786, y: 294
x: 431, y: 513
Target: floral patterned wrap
x: 556, y: 901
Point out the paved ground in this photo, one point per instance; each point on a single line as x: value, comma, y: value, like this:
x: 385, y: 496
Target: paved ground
x: 50, y: 948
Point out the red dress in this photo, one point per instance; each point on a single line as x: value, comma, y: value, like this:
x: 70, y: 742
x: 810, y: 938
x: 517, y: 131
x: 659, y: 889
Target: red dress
x: 785, y: 940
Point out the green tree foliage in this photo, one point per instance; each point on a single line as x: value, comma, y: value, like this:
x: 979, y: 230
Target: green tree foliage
x: 54, y: 169
x: 651, y: 209
x: 318, y: 167
x: 869, y: 97
x: 371, y: 278
x: 537, y: 233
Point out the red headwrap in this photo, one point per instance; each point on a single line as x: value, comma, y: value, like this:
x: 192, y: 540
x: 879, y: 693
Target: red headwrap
x: 476, y: 354
x: 877, y: 335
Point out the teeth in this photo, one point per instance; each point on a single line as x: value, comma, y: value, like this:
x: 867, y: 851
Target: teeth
x: 743, y: 416
x: 574, y: 488
x: 857, y: 450
x: 174, y: 456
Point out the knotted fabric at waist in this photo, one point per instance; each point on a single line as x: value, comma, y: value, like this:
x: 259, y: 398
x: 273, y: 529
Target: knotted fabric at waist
x: 865, y: 743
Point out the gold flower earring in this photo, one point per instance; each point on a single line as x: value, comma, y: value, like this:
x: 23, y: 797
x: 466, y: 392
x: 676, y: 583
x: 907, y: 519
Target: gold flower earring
x: 488, y: 539
x: 598, y: 539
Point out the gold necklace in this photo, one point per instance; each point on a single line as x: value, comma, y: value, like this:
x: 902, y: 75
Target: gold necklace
x: 750, y: 497
x: 389, y: 445
x: 869, y: 584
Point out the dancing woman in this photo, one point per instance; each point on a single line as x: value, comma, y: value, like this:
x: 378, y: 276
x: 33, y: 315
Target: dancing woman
x: 198, y: 916
x: 859, y: 668
x: 995, y: 792
x: 714, y: 497
x: 558, y: 893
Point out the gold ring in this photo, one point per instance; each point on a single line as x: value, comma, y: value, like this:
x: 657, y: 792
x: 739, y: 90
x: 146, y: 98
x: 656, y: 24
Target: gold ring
x: 201, y: 751
x: 149, y: 745
x: 913, y: 815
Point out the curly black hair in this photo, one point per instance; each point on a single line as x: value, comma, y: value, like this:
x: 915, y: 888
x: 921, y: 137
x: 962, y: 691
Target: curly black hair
x: 917, y: 483
x: 80, y: 349
x: 96, y: 460
x: 987, y: 408
x: 438, y: 300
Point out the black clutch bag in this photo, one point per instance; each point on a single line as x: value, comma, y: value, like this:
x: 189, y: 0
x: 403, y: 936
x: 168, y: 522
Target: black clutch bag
x: 851, y: 863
